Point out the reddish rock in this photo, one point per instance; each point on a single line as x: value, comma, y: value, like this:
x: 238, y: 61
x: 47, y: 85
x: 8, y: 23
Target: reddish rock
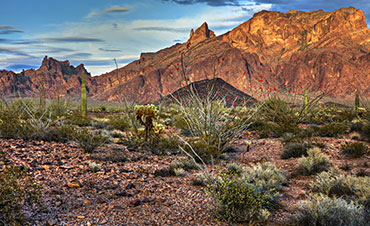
x: 329, y: 51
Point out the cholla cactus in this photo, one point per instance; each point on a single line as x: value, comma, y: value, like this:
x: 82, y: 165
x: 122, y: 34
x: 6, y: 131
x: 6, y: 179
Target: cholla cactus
x: 145, y: 114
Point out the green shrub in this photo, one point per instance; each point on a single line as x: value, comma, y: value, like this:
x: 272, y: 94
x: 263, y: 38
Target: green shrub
x: 321, y: 210
x: 334, y: 183
x: 75, y: 118
x: 234, y: 168
x: 277, y: 110
x: 89, y: 141
x: 199, y: 180
x: 18, y: 192
x: 333, y: 129
x: 294, y: 150
x: 265, y: 176
x: 354, y: 150
x: 314, y: 163
x: 61, y: 133
x: 10, y: 125
x: 238, y: 200
x: 203, y: 149
x: 183, y: 163
x: 119, y: 122
x: 365, y: 130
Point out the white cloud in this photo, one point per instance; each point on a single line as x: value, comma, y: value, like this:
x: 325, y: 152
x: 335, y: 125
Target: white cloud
x: 127, y: 36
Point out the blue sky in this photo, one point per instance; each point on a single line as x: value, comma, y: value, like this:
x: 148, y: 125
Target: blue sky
x: 94, y: 32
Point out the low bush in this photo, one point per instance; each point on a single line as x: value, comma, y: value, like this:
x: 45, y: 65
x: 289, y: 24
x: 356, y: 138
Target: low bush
x: 314, y: 163
x: 89, y: 141
x: 335, y: 183
x: 321, y: 210
x: 238, y: 200
x: 265, y: 176
x: 199, y: 180
x: 75, y: 118
x: 294, y: 150
x: 119, y: 122
x: 18, y: 192
x: 183, y: 163
x: 234, y: 168
x: 365, y: 130
x: 332, y: 129
x: 354, y: 150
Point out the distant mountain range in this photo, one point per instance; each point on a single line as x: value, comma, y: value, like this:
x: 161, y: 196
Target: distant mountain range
x: 328, y: 51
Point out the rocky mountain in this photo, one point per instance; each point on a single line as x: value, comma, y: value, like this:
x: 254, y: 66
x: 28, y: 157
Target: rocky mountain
x: 57, y: 78
x: 328, y: 51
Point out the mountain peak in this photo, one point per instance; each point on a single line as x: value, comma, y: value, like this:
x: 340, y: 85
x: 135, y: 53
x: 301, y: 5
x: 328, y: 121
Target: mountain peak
x: 200, y: 34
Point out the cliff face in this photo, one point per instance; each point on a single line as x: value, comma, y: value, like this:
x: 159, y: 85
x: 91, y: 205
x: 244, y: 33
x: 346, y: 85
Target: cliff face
x: 329, y: 51
x: 58, y: 78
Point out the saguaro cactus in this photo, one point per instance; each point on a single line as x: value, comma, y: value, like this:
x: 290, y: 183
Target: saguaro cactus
x: 305, y: 99
x: 357, y: 102
x: 83, y: 95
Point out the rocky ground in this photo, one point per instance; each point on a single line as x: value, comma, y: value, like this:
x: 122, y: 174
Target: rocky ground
x: 125, y: 190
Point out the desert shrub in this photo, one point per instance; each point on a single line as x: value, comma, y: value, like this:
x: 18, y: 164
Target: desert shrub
x: 119, y: 122
x: 179, y: 172
x: 321, y: 210
x: 355, y: 125
x: 234, y: 168
x: 294, y: 150
x: 334, y: 183
x: 365, y: 130
x: 265, y: 176
x: 75, y: 118
x: 354, y: 150
x: 10, y: 125
x: 238, y: 200
x: 314, y: 163
x: 89, y: 141
x: 61, y: 133
x: 203, y: 150
x: 157, y: 144
x: 18, y: 192
x: 58, y: 109
x: 199, y: 180
x: 332, y: 129
x: 277, y: 110
x: 183, y: 163
x: 95, y: 167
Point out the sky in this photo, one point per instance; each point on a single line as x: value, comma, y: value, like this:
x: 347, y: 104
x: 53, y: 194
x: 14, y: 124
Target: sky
x: 95, y: 32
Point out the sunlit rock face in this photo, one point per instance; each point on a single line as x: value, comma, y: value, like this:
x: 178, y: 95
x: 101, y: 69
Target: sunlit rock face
x: 328, y: 51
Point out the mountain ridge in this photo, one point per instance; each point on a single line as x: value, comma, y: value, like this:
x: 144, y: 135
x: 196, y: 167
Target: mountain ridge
x: 328, y: 51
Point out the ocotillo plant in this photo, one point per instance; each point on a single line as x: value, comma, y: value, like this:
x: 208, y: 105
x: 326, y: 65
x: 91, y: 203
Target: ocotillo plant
x: 83, y: 95
x: 357, y: 102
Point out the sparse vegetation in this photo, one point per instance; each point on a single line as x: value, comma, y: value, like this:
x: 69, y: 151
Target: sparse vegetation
x: 314, y: 163
x: 322, y: 210
x: 294, y: 150
x: 354, y: 150
x: 18, y: 192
